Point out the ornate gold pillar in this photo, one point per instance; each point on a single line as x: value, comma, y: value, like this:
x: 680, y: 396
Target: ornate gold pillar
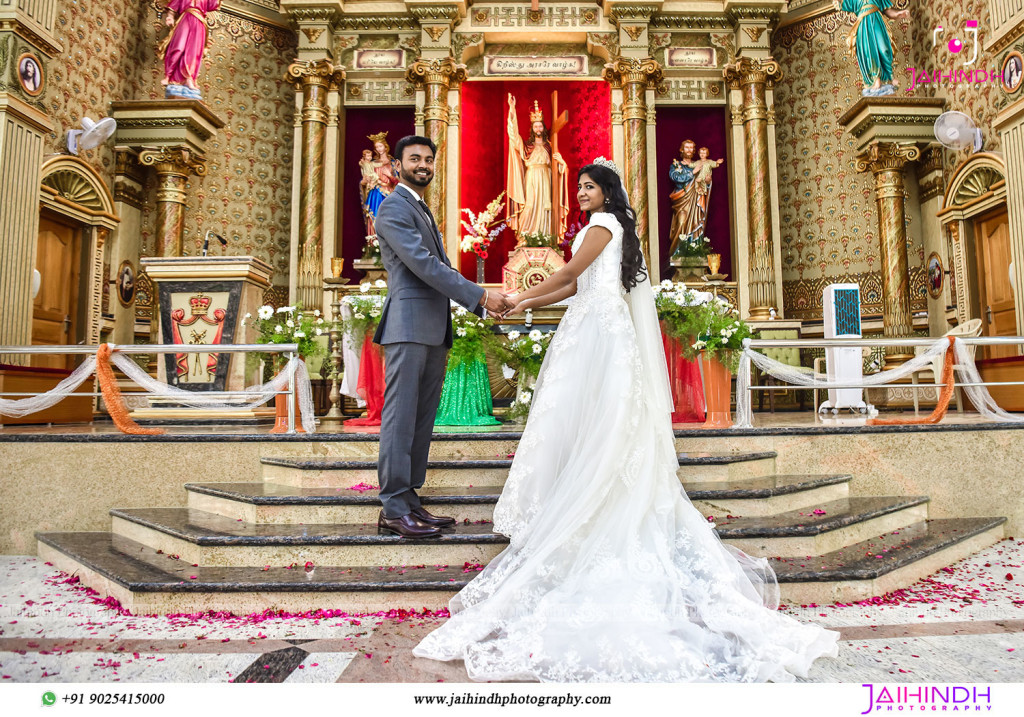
x: 173, y: 166
x: 886, y: 161
x: 753, y: 77
x: 634, y: 76
x: 314, y: 79
x: 435, y: 77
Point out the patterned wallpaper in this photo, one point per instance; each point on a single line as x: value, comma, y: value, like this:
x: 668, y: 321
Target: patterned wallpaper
x: 110, y: 54
x: 101, y: 62
x: 981, y: 101
x: 246, y: 195
x: 828, y: 211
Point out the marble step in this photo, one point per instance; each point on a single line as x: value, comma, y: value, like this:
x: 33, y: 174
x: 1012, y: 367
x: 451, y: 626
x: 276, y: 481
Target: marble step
x: 214, y: 540
x: 475, y: 442
x: 886, y: 562
x: 206, y: 538
x: 147, y: 582
x: 841, y: 523
x: 255, y: 502
x: 330, y: 472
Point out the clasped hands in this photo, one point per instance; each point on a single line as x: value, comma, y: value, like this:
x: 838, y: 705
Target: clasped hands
x: 500, y: 305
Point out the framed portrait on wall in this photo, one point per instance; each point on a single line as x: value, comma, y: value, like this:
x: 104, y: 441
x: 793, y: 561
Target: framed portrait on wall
x: 125, y: 283
x: 30, y: 74
x: 1013, y: 72
x: 935, y: 275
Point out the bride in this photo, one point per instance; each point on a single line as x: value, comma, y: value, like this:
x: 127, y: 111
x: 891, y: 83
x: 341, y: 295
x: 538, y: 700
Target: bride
x: 611, y: 574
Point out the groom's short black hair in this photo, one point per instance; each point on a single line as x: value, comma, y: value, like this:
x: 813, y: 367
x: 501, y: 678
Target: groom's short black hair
x: 410, y: 140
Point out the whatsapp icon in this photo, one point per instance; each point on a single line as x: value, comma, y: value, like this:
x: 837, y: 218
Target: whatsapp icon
x: 49, y: 699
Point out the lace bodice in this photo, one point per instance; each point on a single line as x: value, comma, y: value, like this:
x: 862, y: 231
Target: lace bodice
x: 605, y: 272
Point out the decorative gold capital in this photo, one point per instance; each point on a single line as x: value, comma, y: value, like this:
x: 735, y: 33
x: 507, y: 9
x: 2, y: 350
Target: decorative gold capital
x: 629, y: 70
x: 439, y: 71
x: 748, y: 71
x: 887, y: 157
x: 322, y: 73
x: 173, y: 161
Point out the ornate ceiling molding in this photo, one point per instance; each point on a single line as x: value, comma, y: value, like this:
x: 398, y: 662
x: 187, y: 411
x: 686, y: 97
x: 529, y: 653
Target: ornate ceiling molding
x: 691, y: 22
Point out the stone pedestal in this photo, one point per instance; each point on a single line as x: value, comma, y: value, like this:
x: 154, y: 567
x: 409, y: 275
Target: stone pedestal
x: 203, y: 301
x: 890, y: 132
x: 170, y: 136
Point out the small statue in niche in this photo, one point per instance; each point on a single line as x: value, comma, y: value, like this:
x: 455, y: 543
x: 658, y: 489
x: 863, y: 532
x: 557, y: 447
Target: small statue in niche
x: 377, y: 181
x: 870, y: 41
x: 185, y: 45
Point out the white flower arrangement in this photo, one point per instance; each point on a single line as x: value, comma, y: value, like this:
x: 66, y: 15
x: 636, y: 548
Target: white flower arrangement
x: 481, y: 228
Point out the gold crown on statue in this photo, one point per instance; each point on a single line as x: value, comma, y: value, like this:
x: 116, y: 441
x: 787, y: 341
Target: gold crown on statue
x: 200, y: 304
x: 379, y: 137
x: 536, y: 114
x: 609, y: 164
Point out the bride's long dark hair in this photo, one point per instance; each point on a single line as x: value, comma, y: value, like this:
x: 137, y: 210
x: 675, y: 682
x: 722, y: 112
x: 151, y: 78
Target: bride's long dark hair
x: 618, y: 204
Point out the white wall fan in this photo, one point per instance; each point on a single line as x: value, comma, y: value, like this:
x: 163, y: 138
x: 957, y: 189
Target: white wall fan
x: 956, y: 131
x: 92, y: 134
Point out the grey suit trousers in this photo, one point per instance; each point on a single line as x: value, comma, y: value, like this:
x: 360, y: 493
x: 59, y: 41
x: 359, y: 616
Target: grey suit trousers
x: 413, y: 374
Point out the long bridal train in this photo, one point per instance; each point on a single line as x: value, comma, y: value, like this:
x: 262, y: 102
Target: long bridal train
x: 611, y: 573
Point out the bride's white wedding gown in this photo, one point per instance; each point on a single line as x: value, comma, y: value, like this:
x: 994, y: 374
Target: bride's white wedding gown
x: 611, y: 574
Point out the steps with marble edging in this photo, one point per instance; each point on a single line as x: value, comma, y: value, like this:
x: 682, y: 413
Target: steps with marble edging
x: 245, y: 546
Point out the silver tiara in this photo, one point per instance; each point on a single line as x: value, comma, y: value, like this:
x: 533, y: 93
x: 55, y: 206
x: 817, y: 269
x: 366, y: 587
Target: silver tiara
x: 609, y: 164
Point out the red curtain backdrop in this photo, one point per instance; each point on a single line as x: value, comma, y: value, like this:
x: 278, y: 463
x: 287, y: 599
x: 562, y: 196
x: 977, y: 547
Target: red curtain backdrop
x: 485, y: 144
x: 359, y: 123
x: 707, y: 127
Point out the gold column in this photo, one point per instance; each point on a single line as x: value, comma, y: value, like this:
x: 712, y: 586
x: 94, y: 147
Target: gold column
x: 314, y: 79
x: 753, y: 77
x: 886, y: 161
x: 173, y: 166
x: 634, y: 76
x: 435, y: 77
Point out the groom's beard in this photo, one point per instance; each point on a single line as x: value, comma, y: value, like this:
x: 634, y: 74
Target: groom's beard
x: 416, y: 179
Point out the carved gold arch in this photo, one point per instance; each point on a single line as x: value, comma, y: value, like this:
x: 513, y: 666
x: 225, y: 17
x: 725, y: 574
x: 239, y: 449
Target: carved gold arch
x: 981, y: 176
x: 71, y: 189
x: 70, y: 182
x: 978, y: 186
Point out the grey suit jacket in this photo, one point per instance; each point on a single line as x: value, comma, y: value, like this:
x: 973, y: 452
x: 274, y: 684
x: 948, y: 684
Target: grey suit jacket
x: 420, y: 278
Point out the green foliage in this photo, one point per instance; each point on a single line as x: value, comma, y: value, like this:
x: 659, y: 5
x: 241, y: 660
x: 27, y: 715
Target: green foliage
x: 287, y: 325
x: 472, y: 335
x: 693, y: 246
x: 701, y: 324
x: 366, y: 306
x: 524, y: 354
x: 539, y: 239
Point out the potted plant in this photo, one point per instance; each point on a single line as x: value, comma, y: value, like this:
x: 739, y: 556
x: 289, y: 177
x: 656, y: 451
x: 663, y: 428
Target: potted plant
x: 286, y: 325
x: 466, y: 395
x: 718, y: 339
x: 361, y: 314
x: 523, y: 356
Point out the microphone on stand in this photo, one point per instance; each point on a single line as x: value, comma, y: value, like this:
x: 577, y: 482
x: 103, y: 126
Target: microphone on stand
x: 206, y: 241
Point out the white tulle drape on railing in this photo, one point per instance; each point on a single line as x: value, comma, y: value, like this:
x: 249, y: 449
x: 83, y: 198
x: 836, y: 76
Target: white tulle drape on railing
x: 262, y: 392
x: 33, y: 404
x: 253, y: 395
x: 803, y: 377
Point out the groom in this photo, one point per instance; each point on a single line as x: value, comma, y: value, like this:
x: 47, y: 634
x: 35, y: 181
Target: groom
x: 416, y: 332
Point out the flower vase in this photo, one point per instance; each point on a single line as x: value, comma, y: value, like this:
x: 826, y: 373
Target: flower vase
x: 281, y: 412
x: 479, y: 269
x: 717, y: 392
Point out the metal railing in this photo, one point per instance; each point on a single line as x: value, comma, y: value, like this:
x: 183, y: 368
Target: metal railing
x: 757, y: 344
x: 289, y: 350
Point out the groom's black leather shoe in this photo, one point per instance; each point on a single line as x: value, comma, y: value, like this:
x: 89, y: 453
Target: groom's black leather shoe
x: 408, y: 526
x: 438, y: 521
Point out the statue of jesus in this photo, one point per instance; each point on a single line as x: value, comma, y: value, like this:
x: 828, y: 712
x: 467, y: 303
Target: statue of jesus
x: 537, y: 185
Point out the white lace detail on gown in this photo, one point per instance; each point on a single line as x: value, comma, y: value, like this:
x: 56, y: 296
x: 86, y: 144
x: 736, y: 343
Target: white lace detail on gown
x: 611, y: 574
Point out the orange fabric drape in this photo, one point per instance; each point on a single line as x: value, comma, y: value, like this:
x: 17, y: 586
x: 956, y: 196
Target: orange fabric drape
x: 371, y: 383
x: 113, y: 399
x: 940, y: 408
x: 684, y: 379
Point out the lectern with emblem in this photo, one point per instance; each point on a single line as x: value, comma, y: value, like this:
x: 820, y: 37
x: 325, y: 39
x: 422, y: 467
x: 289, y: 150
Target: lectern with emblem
x: 201, y: 302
